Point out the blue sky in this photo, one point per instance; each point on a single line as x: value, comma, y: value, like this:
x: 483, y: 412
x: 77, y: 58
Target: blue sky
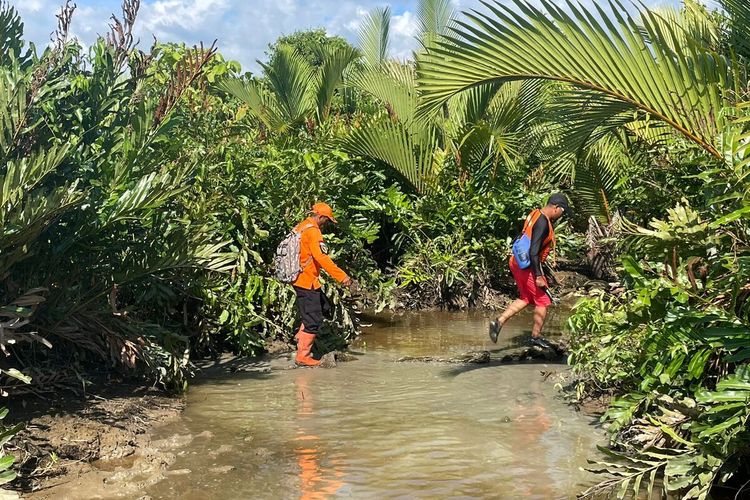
x: 243, y: 27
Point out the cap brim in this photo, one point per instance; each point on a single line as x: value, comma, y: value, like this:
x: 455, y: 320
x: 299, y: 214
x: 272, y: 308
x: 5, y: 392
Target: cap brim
x: 333, y: 219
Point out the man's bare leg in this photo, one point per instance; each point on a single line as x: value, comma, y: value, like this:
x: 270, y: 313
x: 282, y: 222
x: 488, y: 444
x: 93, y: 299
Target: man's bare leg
x: 540, y: 314
x: 514, y: 308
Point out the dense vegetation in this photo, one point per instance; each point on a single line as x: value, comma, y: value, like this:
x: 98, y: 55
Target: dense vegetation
x: 143, y: 195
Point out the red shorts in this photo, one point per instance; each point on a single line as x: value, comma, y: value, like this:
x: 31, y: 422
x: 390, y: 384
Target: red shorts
x: 526, y: 283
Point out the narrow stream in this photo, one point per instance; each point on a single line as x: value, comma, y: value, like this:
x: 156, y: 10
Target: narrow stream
x: 374, y: 428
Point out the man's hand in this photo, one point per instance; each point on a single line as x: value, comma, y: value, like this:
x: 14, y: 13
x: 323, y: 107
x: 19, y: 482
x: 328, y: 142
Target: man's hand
x: 352, y: 285
x: 541, y: 282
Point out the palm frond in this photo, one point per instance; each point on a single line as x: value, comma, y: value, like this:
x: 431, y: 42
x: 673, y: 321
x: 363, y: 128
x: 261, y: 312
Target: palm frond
x: 37, y: 211
x: 596, y: 176
x: 24, y: 175
x: 259, y: 100
x: 393, y: 84
x: 691, y: 24
x: 586, y: 117
x: 176, y: 250
x: 147, y: 194
x: 335, y: 63
x: 593, y: 50
x: 13, y: 110
x: 739, y: 25
x: 11, y: 35
x: 472, y: 106
x: 495, y: 122
x: 409, y: 152
x: 435, y: 18
x: 374, y: 36
x: 290, y: 77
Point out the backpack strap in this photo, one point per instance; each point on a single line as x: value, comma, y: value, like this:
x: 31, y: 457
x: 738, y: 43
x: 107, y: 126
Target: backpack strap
x: 302, y: 230
x: 530, y: 221
x: 305, y: 228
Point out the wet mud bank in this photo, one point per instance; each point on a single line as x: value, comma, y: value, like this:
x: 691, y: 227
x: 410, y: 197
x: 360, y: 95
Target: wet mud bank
x: 69, y: 437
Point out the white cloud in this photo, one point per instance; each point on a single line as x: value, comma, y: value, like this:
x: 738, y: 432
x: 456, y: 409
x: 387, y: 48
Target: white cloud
x: 182, y: 14
x: 34, y: 5
x: 403, y: 30
x: 244, y: 28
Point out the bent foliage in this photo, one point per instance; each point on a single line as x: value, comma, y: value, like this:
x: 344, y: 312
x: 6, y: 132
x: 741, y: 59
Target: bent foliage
x: 612, y: 54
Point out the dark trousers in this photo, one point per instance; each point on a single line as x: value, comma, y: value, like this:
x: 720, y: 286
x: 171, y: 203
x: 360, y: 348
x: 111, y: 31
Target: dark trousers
x: 313, y: 306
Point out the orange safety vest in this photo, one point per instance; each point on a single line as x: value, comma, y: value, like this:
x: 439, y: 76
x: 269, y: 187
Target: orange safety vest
x: 549, y: 242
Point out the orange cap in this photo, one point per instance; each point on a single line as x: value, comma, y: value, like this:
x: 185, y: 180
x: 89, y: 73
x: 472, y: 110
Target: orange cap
x: 324, y: 210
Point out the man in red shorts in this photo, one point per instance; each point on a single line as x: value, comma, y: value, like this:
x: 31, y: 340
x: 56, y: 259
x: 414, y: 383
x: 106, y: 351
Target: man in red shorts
x: 531, y: 282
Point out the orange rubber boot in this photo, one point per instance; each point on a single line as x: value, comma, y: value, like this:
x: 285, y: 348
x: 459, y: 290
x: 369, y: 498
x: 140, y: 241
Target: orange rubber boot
x: 304, y: 348
x: 300, y: 330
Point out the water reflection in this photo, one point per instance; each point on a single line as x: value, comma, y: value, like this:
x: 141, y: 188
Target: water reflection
x: 531, y: 422
x: 316, y: 481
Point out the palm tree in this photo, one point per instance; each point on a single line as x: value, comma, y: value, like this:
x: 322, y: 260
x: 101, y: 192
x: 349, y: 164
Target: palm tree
x: 293, y: 92
x: 475, y: 130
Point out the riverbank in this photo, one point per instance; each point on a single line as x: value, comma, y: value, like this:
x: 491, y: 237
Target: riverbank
x: 68, y: 437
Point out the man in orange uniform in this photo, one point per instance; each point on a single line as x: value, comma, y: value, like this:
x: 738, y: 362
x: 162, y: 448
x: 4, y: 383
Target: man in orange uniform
x: 532, y: 285
x: 311, y: 302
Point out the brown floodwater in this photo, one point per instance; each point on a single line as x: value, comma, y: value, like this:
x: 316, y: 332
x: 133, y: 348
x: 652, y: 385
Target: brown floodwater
x: 375, y: 428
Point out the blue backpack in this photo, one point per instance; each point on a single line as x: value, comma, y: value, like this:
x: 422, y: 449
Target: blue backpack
x: 521, y: 248
x: 522, y: 251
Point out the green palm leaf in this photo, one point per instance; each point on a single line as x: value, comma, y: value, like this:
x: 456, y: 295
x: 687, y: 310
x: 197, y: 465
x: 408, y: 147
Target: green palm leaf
x: 11, y: 36
x: 393, y: 84
x: 739, y: 25
x: 596, y: 176
x: 691, y: 24
x: 374, y: 36
x: 435, y: 17
x: 496, y: 122
x: 13, y: 110
x: 259, y: 100
x: 410, y: 152
x: 620, y: 58
x: 290, y: 77
x: 335, y: 64
x: 293, y: 91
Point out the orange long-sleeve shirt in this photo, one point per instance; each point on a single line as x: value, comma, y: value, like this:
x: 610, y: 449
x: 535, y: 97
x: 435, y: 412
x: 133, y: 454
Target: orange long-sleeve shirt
x: 312, y: 257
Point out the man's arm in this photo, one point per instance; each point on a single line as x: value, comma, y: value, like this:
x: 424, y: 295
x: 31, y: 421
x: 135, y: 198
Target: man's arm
x: 323, y: 260
x: 539, y: 233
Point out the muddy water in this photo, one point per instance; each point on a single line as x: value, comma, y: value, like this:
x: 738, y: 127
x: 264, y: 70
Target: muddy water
x: 374, y: 428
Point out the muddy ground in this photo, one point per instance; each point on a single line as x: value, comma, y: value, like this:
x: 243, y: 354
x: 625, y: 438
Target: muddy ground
x: 69, y: 436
